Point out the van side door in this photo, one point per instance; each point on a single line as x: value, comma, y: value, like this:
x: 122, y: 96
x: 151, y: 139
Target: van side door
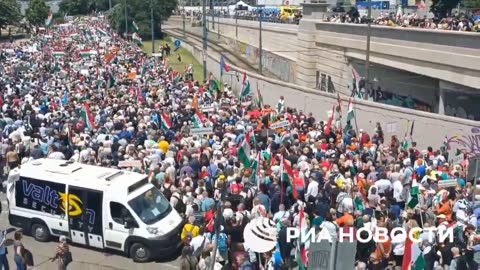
x: 85, y: 216
x: 115, y: 223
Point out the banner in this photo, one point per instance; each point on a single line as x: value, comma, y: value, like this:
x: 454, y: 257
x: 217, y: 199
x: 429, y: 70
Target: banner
x: 280, y: 124
x: 201, y: 131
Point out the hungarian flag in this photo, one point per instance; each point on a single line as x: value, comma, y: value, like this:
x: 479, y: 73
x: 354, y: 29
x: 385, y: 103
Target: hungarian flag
x: 289, y: 175
x: 198, y: 118
x: 350, y: 112
x: 111, y: 80
x: 165, y: 63
x: 49, y: 20
x: 246, y: 89
x: 413, y: 202
x: 223, y: 66
x: 87, y: 53
x: 135, y: 26
x: 165, y: 122
x: 101, y: 32
x: 137, y: 39
x: 356, y: 80
x: 58, y: 53
x: 88, y: 116
x: 175, y: 77
x: 413, y: 256
x: 328, y: 129
x: 69, y: 136
x: 259, y: 99
x: 244, y: 152
x: 301, y: 256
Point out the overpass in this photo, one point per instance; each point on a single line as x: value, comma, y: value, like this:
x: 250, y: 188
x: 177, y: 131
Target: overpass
x: 439, y: 69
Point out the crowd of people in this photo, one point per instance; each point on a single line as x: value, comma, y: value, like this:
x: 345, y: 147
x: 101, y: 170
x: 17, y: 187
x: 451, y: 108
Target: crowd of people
x: 79, y: 91
x: 460, y: 22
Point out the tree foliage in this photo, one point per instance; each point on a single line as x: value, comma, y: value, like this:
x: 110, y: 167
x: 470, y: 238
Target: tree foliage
x: 77, y: 7
x: 139, y: 11
x: 9, y: 13
x: 471, y: 4
x: 37, y: 12
x: 443, y: 8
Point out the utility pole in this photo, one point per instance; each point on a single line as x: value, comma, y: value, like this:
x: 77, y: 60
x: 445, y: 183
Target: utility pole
x: 217, y: 224
x: 218, y: 25
x: 236, y: 23
x: 183, y: 21
x: 126, y: 20
x: 367, y: 60
x: 109, y: 4
x: 212, y: 10
x: 152, y: 26
x: 260, y: 50
x: 204, y: 24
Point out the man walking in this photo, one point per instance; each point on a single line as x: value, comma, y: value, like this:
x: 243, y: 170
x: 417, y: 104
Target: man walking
x: 3, y: 251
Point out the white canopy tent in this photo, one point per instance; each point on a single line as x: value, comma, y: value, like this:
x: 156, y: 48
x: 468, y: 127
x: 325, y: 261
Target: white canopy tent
x: 232, y: 8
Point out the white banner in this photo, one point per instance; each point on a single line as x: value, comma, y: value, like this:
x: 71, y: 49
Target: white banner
x: 201, y: 131
x: 280, y: 124
x: 447, y: 183
x: 207, y: 108
x: 129, y: 163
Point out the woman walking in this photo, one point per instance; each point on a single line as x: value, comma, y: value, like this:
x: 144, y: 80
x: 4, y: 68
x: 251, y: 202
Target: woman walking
x: 19, y: 250
x: 62, y: 257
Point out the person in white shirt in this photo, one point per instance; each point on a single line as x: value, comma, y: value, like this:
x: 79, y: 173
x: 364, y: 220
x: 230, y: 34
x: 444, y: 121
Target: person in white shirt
x: 383, y: 185
x: 200, y: 244
x: 281, y: 215
x: 312, y: 189
x: 397, y: 190
x: 398, y: 245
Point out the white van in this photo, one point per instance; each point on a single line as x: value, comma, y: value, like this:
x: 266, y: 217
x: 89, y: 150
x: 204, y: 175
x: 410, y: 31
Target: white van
x: 93, y: 206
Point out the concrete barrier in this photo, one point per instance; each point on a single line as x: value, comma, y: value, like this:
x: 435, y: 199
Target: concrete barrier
x: 430, y: 129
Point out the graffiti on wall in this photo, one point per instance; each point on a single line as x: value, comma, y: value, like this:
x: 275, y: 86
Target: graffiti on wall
x: 468, y: 143
x: 278, y: 66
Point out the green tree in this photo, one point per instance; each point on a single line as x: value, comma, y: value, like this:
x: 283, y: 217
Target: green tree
x: 37, y: 12
x: 471, y: 4
x: 9, y: 13
x: 77, y: 7
x: 139, y: 11
x: 442, y: 8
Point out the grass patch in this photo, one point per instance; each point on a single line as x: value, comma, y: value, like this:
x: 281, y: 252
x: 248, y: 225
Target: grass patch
x: 186, y: 57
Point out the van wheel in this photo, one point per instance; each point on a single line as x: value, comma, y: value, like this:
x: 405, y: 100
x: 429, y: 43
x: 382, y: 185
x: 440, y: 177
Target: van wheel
x: 40, y: 232
x: 140, y: 252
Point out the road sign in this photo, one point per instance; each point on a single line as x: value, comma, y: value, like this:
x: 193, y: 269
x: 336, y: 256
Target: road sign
x: 280, y: 124
x: 177, y: 43
x: 201, y: 131
x: 447, y: 183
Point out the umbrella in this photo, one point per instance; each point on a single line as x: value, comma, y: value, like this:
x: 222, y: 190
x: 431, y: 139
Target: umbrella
x: 255, y: 114
x: 186, y: 170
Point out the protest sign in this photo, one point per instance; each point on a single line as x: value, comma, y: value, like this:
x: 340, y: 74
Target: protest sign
x: 201, y: 131
x: 280, y: 124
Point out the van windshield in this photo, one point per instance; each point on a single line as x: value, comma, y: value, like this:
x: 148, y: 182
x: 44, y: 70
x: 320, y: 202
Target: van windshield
x: 151, y: 206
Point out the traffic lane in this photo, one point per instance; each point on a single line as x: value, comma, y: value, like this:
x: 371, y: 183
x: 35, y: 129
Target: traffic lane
x: 83, y: 258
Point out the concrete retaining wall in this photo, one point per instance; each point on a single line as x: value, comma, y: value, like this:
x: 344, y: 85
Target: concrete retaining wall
x: 430, y: 129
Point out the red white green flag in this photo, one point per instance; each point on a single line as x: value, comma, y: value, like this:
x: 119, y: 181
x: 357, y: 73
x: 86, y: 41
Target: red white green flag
x: 244, y: 151
x: 88, y: 116
x: 198, y: 119
x: 165, y: 122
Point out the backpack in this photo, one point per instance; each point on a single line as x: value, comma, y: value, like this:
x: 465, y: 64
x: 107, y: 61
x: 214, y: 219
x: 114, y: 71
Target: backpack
x: 67, y: 258
x: 181, y: 207
x: 167, y: 192
x: 222, y: 243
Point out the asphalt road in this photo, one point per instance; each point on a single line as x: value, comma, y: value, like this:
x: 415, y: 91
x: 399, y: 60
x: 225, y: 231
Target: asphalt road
x: 83, y: 258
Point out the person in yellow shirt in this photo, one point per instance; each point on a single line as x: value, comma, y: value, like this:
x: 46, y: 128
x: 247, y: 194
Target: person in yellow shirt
x: 189, y: 231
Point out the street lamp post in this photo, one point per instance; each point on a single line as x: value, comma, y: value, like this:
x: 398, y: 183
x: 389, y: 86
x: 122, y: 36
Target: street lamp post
x: 152, y: 24
x: 204, y: 24
x: 260, y: 50
x: 109, y: 4
x: 367, y: 58
x: 218, y: 24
